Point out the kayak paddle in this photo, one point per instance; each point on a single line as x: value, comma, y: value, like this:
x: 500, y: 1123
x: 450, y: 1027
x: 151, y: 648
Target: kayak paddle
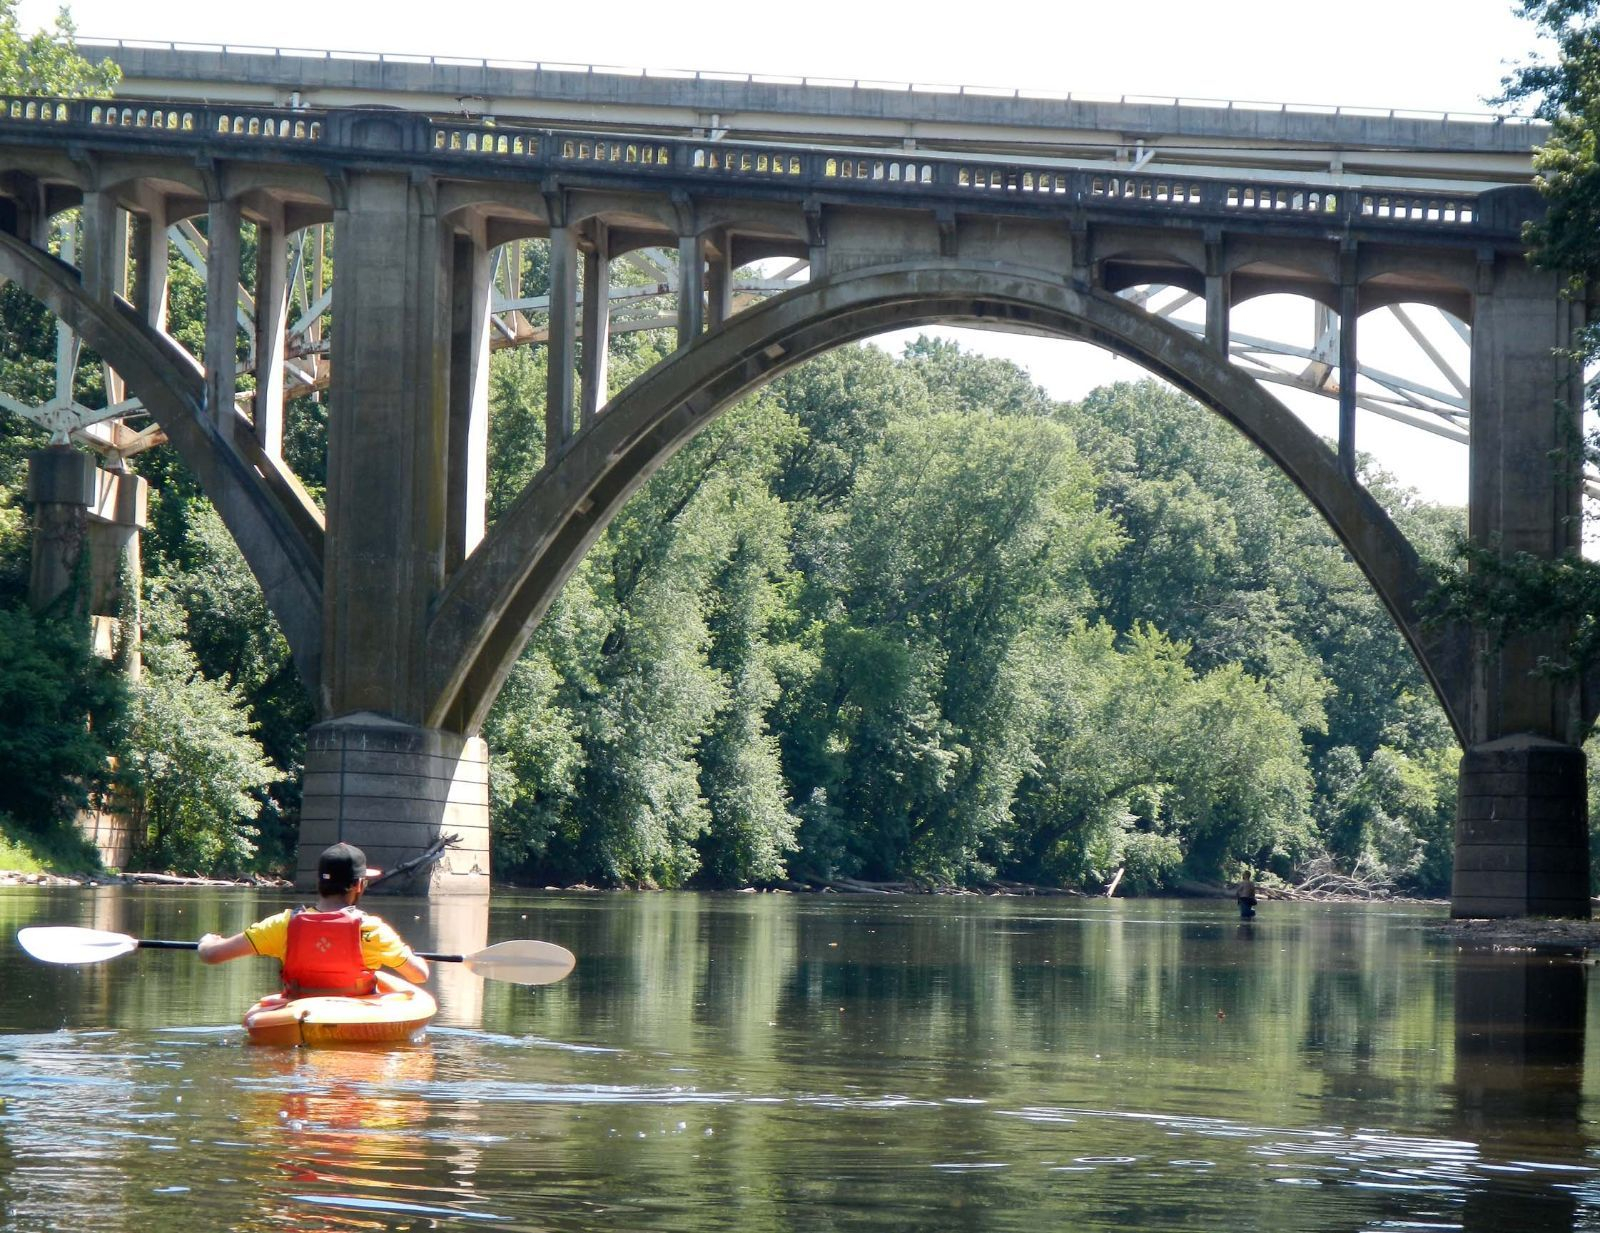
x: 520, y: 961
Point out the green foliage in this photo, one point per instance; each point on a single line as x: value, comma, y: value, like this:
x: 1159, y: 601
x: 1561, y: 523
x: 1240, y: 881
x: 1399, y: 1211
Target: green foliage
x: 60, y: 849
x: 1522, y: 593
x: 909, y: 618
x: 57, y: 703
x: 46, y: 62
x: 190, y: 764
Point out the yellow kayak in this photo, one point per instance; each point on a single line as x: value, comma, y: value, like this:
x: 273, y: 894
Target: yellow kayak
x: 398, y: 1012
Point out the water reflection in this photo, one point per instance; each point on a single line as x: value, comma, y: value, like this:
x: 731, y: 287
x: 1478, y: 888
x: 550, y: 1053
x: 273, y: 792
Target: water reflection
x: 1520, y: 1025
x: 349, y: 1128
x: 760, y: 1063
x: 455, y: 927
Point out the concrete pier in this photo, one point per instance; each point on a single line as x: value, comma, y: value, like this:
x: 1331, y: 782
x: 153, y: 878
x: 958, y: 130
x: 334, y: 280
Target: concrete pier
x: 61, y: 488
x: 1522, y: 830
x: 392, y: 789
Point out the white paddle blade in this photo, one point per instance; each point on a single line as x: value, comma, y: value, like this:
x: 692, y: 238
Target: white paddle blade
x: 66, y: 944
x: 522, y: 962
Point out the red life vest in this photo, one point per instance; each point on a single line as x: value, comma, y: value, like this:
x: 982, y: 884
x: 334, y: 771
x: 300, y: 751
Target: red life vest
x: 323, y: 956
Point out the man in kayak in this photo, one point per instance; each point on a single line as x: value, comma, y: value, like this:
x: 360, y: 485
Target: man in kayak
x: 335, y: 948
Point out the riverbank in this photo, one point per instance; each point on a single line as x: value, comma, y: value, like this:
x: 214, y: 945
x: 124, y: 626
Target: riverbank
x: 20, y: 877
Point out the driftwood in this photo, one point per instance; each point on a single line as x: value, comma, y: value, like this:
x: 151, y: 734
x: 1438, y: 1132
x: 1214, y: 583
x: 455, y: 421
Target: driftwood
x: 855, y: 886
x: 1115, y: 882
x: 1325, y: 883
x: 173, y: 879
x: 1001, y: 886
x: 434, y: 853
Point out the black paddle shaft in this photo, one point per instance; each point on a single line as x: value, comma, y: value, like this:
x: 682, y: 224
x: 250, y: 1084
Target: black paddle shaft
x: 160, y: 944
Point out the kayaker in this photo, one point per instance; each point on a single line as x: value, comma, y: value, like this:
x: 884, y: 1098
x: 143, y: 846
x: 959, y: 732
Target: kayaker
x: 334, y: 948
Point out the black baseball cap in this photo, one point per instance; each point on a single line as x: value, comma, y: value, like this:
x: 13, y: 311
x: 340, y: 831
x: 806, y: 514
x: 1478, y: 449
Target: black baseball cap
x: 341, y: 867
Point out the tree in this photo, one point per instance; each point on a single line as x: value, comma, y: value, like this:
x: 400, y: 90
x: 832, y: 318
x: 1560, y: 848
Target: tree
x: 1523, y: 592
x: 190, y: 761
x: 57, y: 704
x: 47, y: 62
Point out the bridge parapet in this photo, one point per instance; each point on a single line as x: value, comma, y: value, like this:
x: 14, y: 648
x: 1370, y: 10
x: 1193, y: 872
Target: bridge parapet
x: 769, y: 168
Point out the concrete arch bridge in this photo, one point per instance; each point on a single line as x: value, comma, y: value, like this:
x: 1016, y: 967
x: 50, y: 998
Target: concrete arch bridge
x: 404, y: 614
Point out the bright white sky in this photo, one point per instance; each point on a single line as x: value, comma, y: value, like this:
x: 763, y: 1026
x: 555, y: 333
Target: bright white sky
x: 1431, y: 55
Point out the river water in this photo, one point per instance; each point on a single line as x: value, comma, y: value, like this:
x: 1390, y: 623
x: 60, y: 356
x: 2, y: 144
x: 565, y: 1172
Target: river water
x: 776, y: 1062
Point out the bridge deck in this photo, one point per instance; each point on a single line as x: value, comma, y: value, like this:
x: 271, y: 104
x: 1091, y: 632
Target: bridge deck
x: 1426, y: 151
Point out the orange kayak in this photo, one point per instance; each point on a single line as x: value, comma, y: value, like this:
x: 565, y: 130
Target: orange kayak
x: 398, y: 1012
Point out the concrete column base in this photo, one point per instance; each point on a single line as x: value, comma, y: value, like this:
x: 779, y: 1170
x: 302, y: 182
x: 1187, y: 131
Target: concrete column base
x: 61, y: 488
x: 392, y: 789
x: 1522, y: 830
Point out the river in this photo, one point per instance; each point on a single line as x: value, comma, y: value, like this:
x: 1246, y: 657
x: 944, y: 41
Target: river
x: 777, y: 1062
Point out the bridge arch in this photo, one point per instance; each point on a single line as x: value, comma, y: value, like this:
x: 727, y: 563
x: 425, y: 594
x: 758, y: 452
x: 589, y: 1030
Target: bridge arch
x: 283, y: 551
x: 491, y: 605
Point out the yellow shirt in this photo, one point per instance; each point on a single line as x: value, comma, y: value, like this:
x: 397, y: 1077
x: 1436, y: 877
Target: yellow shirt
x: 381, y: 946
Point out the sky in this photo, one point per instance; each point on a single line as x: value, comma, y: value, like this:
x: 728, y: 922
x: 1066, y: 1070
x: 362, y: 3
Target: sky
x: 1424, y: 55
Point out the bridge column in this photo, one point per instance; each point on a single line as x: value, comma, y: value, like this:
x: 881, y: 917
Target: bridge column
x: 691, y: 290
x: 104, y: 250
x: 61, y: 488
x: 1349, y: 367
x: 1218, y: 296
x: 272, y: 322
x: 1522, y: 812
x: 719, y: 283
x: 376, y: 775
x: 596, y: 319
x: 222, y: 309
x: 115, y: 523
x: 151, y: 254
x: 561, y: 352
x: 470, y: 286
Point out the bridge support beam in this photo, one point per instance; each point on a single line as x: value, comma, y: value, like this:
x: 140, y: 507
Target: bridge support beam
x: 272, y: 321
x: 401, y: 440
x: 1522, y: 813
x: 596, y: 319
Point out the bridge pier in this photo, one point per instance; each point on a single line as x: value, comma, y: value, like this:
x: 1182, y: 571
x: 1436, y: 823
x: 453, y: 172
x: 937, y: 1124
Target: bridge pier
x: 61, y: 490
x: 392, y: 789
x: 1522, y: 830
x: 1522, y: 843
x: 405, y: 502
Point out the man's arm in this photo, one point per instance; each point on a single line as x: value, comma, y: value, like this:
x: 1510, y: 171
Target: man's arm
x: 381, y: 945
x: 214, y: 948
x: 413, y: 969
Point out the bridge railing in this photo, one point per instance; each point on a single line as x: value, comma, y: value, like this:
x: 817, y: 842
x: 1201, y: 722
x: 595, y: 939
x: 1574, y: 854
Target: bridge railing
x: 371, y: 131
